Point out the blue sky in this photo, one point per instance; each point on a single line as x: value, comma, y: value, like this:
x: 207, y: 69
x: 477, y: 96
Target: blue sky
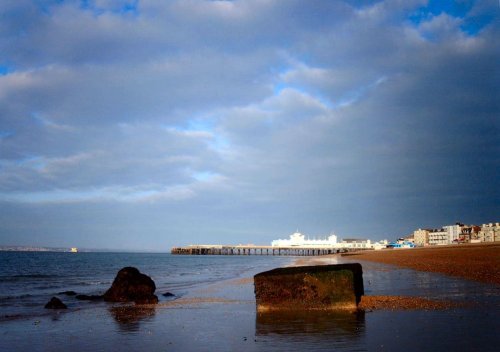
x: 142, y: 125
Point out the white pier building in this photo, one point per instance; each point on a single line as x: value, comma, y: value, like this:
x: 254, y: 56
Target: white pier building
x: 299, y: 240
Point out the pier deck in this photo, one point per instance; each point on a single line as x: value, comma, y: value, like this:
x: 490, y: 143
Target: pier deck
x: 257, y: 250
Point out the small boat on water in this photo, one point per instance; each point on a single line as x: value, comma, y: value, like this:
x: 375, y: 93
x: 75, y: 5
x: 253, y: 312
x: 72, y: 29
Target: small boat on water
x: 73, y: 250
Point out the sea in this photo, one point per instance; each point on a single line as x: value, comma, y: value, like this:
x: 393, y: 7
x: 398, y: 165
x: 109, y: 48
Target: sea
x: 29, y: 279
x: 222, y: 315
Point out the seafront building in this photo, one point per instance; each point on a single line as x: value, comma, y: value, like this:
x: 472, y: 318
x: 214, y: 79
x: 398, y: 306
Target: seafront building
x: 438, y: 237
x: 421, y: 237
x: 458, y: 233
x: 362, y: 243
x: 453, y: 232
x: 490, y: 232
x: 469, y: 234
x: 449, y: 234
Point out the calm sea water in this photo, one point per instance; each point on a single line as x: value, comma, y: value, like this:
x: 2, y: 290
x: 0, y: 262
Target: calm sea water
x: 28, y: 280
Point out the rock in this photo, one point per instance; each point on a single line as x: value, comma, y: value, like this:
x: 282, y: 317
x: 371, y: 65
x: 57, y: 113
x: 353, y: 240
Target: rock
x: 55, y: 303
x: 67, y: 293
x: 321, y: 287
x: 130, y: 285
x: 89, y: 297
x: 168, y: 294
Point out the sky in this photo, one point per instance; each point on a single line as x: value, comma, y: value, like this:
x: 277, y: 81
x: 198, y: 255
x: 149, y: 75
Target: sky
x: 148, y: 124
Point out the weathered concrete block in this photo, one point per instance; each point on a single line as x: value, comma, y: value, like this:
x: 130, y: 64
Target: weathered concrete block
x: 321, y: 287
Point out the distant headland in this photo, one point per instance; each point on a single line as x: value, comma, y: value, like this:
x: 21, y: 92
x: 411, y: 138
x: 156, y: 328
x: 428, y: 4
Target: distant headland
x: 37, y: 249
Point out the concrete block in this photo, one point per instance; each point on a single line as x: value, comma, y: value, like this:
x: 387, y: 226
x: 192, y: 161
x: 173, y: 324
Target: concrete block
x: 320, y: 287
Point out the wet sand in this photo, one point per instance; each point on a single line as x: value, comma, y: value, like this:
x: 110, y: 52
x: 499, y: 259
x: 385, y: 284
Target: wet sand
x: 477, y: 262
x: 370, y: 303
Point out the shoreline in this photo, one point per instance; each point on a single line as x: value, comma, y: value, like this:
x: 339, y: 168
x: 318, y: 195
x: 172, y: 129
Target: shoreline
x: 203, y: 318
x: 476, y: 262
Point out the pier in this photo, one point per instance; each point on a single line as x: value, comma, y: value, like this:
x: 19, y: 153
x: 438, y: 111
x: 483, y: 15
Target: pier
x: 257, y: 250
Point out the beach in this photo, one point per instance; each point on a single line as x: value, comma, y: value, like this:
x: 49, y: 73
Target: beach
x: 478, y: 262
x: 219, y: 314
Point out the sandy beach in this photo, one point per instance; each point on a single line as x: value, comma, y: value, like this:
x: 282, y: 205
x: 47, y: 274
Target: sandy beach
x: 478, y: 262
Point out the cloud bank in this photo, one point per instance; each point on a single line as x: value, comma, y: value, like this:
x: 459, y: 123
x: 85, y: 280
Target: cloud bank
x: 148, y: 124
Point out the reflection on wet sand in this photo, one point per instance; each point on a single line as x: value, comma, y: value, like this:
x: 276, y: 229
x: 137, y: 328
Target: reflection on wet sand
x: 130, y: 317
x: 318, y: 326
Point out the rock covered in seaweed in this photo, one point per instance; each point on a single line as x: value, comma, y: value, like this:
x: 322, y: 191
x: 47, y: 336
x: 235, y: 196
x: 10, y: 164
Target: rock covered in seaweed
x: 55, y: 303
x: 130, y: 285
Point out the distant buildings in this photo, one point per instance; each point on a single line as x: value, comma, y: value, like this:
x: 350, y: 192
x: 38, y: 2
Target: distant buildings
x: 438, y: 237
x: 458, y: 233
x: 361, y: 243
x: 446, y: 235
x: 297, y: 239
x: 421, y: 237
x: 470, y: 234
x: 453, y: 233
x: 490, y: 232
